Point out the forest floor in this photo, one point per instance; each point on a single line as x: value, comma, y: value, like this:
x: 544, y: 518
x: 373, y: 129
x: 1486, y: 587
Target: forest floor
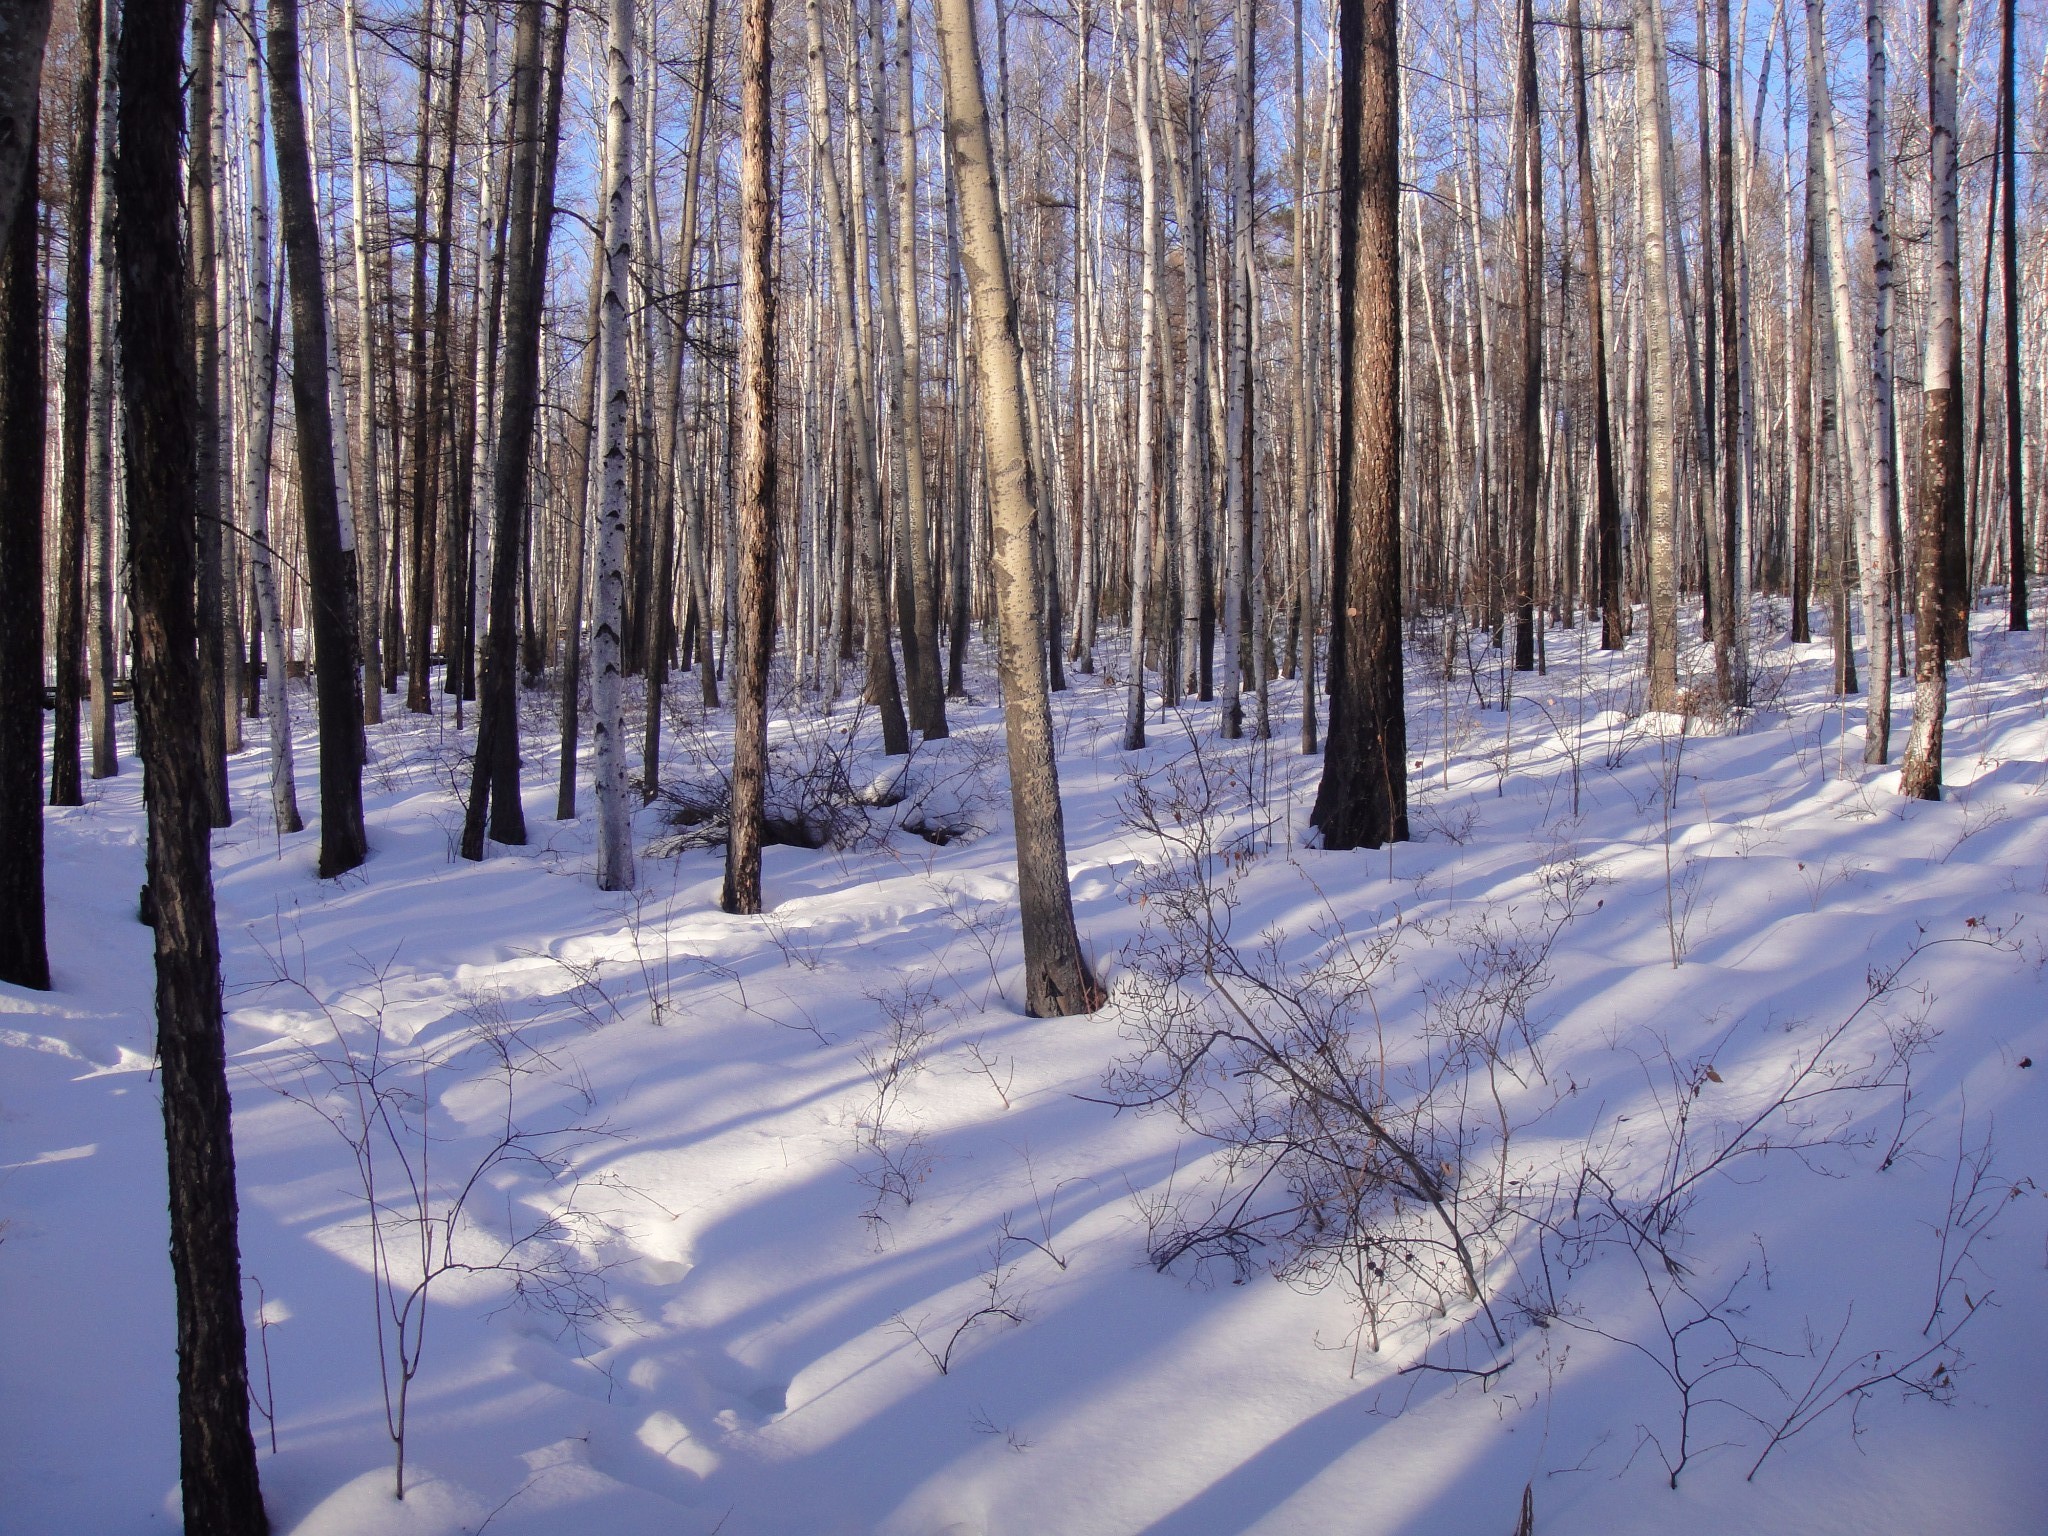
x: 797, y: 1224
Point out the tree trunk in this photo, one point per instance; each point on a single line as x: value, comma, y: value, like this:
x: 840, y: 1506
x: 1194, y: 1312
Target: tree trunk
x: 103, y: 655
x: 1884, y: 510
x: 582, y: 432
x: 1941, y: 464
x: 1606, y: 502
x: 1237, y: 494
x: 530, y: 188
x: 928, y: 695
x: 24, y: 952
x: 204, y: 298
x: 757, y: 469
x: 256, y: 454
x: 1528, y: 214
x: 369, y: 498
x: 217, y: 1459
x: 1142, y: 512
x: 2015, y: 437
x: 1653, y: 144
x: 1362, y: 801
x: 1057, y: 977
x: 614, y: 815
x: 882, y: 688
x: 330, y: 564
x: 66, y: 787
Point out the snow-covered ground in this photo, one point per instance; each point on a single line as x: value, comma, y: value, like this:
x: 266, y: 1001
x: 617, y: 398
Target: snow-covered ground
x: 738, y: 1187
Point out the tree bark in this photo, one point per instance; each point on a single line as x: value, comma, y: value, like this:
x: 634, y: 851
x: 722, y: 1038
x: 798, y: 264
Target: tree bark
x: 66, y: 787
x: 217, y: 1458
x: 1941, y: 462
x: 494, y: 777
x: 256, y: 449
x: 1653, y: 144
x: 370, y: 496
x: 882, y: 688
x: 1884, y: 509
x: 614, y: 816
x: 1362, y: 801
x: 102, y: 654
x: 1606, y: 502
x: 330, y: 563
x: 2015, y: 437
x: 757, y: 468
x: 1528, y: 209
x: 1057, y: 977
x: 24, y: 952
x: 204, y: 299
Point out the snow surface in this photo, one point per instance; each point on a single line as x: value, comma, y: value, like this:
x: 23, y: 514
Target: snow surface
x: 726, y: 1116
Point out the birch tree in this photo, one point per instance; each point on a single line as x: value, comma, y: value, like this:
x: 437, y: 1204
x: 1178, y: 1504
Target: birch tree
x: 1057, y: 976
x: 614, y: 816
x: 1941, y: 453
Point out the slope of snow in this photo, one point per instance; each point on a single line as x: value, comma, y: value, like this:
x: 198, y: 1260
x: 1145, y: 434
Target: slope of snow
x: 737, y: 1186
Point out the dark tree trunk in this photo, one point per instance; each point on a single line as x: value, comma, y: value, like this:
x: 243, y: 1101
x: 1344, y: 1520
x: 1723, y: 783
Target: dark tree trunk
x: 217, y: 1459
x: 205, y: 310
x: 24, y: 954
x: 1803, y: 457
x: 494, y: 777
x: 1606, y: 502
x: 2015, y: 439
x: 330, y: 561
x: 1362, y: 801
x: 66, y: 767
x: 1528, y: 202
x: 756, y: 552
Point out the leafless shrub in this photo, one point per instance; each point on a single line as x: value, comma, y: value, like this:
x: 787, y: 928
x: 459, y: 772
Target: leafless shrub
x: 810, y: 800
x: 512, y: 1207
x: 996, y: 1303
x: 895, y: 1159
x: 1639, y: 1197
x: 1352, y: 1150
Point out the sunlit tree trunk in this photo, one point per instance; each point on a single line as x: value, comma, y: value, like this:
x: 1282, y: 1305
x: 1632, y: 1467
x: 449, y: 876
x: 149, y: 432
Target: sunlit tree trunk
x: 882, y: 688
x: 1941, y: 464
x: 1883, y: 510
x: 614, y: 816
x: 256, y: 459
x: 2015, y: 437
x: 757, y: 467
x: 1057, y: 976
x: 1362, y: 801
x: 1653, y: 145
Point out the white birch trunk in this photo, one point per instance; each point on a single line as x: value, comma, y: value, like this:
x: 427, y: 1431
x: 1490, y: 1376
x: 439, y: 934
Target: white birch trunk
x: 614, y: 814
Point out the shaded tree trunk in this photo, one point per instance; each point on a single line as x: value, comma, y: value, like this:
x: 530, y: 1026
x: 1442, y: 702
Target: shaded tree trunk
x: 1362, y: 801
x: 24, y: 952
x: 66, y: 787
x: 204, y: 297
x: 494, y: 777
x: 217, y: 1458
x: 330, y: 562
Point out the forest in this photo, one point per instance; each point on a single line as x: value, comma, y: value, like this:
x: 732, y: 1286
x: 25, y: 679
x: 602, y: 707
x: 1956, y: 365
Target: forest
x: 919, y: 766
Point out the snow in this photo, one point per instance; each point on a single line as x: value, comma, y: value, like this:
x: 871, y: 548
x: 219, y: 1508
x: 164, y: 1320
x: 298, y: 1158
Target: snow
x: 771, y: 1170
